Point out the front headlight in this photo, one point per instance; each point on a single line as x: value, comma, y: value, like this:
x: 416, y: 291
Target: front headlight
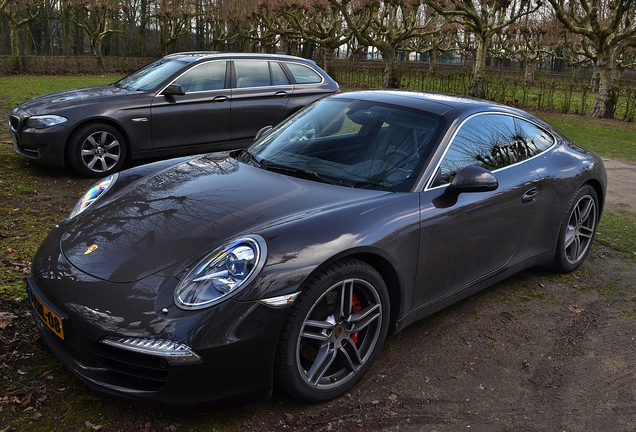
x: 44, y: 121
x: 91, y: 195
x: 222, y: 273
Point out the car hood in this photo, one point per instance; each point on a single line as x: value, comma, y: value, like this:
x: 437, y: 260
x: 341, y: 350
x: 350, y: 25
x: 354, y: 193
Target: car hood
x: 51, y: 102
x: 188, y: 211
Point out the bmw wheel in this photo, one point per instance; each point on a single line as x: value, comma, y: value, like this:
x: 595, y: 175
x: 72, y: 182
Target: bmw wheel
x: 97, y: 150
x: 334, y: 332
x: 577, y: 230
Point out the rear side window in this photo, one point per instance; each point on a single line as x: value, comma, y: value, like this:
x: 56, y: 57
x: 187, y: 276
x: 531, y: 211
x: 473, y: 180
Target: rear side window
x: 278, y: 76
x: 534, y: 139
x: 204, y: 77
x: 303, y: 74
x: 250, y: 73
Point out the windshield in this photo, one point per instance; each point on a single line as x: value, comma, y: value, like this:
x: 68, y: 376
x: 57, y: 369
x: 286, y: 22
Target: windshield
x: 151, y: 75
x: 357, y: 143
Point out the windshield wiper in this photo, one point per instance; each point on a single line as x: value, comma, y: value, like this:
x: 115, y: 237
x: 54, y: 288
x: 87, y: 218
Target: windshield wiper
x: 300, y: 172
x: 255, y: 161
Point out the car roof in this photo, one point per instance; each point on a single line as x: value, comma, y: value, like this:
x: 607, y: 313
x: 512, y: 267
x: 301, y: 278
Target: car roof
x: 193, y: 56
x: 444, y: 104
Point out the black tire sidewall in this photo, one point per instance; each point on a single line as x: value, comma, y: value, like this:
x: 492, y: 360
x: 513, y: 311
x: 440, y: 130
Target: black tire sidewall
x: 293, y: 383
x: 75, y: 147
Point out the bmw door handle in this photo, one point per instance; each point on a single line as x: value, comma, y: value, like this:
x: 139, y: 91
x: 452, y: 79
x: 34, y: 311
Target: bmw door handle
x: 281, y: 94
x: 220, y: 99
x: 530, y: 195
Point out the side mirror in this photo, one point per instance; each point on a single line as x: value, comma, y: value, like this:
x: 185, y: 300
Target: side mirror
x: 261, y: 133
x: 471, y: 179
x: 174, y: 90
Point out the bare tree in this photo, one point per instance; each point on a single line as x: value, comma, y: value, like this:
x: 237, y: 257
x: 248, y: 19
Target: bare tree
x: 174, y: 19
x: 18, y: 13
x: 608, y: 28
x: 483, y: 19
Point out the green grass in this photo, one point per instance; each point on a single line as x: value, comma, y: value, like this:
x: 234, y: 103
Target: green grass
x: 608, y: 138
x: 617, y: 231
x: 17, y: 89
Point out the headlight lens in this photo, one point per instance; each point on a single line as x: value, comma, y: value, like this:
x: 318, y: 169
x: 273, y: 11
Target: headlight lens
x: 91, y: 195
x: 41, y: 122
x: 222, y: 273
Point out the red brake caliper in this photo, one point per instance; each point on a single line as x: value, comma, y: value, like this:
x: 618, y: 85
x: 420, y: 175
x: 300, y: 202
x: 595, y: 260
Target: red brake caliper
x: 355, y: 307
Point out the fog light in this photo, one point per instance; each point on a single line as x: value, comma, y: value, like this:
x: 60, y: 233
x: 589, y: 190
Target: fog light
x: 172, y: 351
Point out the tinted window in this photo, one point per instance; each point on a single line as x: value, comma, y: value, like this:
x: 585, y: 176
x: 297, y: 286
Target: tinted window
x: 278, y: 76
x: 490, y: 141
x: 203, y: 77
x: 303, y: 74
x: 251, y: 73
x: 534, y: 139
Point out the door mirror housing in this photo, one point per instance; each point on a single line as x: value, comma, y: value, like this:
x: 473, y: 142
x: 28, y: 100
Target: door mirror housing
x: 471, y: 179
x: 262, y: 132
x: 174, y: 90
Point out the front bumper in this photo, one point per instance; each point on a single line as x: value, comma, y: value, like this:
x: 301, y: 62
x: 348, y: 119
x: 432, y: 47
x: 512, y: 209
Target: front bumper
x: 236, y: 342
x: 45, y: 146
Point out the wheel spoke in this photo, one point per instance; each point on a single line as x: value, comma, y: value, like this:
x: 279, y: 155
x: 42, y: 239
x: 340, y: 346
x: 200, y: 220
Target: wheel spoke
x: 87, y: 152
x: 351, y: 355
x: 112, y: 156
x: 588, y: 206
x: 317, y: 335
x: 324, y: 359
x: 114, y: 143
x: 569, y: 237
x: 102, y: 138
x: 586, y: 232
x: 92, y: 162
x: 574, y: 248
x: 365, y: 317
x: 345, y: 300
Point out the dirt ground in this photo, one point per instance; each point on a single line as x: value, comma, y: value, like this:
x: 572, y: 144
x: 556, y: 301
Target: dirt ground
x: 539, y: 351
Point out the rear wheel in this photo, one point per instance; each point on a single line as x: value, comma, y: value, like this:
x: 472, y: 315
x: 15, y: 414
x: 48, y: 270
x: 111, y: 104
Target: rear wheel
x: 577, y: 230
x: 96, y: 150
x: 333, y: 333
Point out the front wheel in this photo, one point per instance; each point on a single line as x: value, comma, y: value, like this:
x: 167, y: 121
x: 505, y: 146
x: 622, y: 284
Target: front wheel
x: 96, y: 150
x: 577, y: 230
x: 333, y: 333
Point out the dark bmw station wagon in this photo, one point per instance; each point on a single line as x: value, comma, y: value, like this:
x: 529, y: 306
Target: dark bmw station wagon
x: 181, y: 104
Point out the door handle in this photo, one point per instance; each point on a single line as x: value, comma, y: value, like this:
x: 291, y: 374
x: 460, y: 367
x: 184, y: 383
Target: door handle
x: 220, y: 99
x: 281, y: 94
x: 530, y: 195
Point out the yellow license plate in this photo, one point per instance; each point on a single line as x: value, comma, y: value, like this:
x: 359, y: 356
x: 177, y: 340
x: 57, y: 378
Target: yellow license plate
x: 50, y: 318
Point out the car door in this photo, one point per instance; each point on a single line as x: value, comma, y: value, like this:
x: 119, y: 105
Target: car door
x: 468, y: 240
x: 260, y: 94
x: 200, y: 116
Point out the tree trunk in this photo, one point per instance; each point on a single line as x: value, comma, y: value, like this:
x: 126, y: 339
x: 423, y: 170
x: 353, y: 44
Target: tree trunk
x: 433, y: 56
x: 391, y: 76
x: 16, y: 61
x: 595, y: 81
x: 528, y: 76
x: 477, y: 84
x: 605, y: 103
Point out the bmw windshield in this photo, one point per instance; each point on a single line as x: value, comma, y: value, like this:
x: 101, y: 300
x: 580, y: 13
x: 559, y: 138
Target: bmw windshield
x: 355, y: 143
x: 151, y: 75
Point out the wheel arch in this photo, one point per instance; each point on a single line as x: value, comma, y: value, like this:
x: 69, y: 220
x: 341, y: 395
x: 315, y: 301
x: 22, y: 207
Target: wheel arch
x: 383, y: 266
x: 598, y: 188
x: 105, y: 120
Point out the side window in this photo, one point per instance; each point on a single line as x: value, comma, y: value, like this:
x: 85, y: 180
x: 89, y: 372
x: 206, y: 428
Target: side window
x: 251, y: 73
x: 533, y: 139
x: 203, y: 77
x: 303, y: 74
x: 278, y: 76
x: 487, y: 140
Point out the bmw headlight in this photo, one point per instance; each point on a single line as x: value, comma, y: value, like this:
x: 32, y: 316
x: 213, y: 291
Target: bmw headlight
x: 91, y: 195
x: 44, y: 121
x: 222, y: 273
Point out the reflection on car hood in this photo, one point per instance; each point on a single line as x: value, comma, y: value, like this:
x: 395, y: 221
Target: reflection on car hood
x: 187, y: 211
x: 51, y: 102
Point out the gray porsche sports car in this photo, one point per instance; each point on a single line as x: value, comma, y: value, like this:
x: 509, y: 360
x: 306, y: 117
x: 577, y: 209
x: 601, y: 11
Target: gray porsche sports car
x: 212, y: 278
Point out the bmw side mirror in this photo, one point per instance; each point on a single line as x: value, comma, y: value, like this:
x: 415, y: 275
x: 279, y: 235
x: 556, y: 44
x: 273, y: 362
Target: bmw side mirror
x: 261, y: 133
x: 174, y: 90
x: 472, y: 179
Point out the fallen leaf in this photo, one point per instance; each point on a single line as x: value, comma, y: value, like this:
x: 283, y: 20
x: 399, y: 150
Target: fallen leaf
x: 575, y: 309
x: 6, y: 319
x: 10, y: 249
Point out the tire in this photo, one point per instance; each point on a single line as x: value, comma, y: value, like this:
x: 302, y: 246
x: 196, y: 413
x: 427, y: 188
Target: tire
x: 96, y: 150
x: 333, y: 333
x: 577, y: 230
